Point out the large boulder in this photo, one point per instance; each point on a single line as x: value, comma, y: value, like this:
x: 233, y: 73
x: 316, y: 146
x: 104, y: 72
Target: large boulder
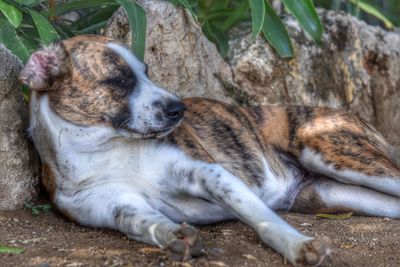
x: 357, y: 68
x: 18, y: 166
x: 179, y: 56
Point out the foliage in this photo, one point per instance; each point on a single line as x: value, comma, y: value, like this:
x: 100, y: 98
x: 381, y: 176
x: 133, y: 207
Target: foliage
x: 37, y: 209
x: 217, y: 17
x: 377, y: 12
x: 11, y: 250
x: 26, y: 24
x: 342, y: 216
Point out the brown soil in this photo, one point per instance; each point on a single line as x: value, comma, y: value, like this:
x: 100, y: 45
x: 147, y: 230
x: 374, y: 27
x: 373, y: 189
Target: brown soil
x: 51, y: 240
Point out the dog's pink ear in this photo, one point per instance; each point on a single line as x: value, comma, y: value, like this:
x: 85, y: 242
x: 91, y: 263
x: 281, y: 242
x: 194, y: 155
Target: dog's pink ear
x: 43, y: 66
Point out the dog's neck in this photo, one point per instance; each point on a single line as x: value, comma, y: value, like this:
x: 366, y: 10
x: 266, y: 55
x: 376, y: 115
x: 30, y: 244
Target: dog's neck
x: 56, y: 131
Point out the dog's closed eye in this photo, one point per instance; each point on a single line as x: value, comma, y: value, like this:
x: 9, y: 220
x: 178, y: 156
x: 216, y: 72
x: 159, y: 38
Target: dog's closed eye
x: 120, y: 81
x: 123, y: 85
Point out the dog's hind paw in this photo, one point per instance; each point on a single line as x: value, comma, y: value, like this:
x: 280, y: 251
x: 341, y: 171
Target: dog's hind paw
x: 187, y: 243
x: 314, y: 252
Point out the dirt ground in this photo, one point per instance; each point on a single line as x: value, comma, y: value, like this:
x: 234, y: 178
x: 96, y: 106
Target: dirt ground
x: 51, y: 240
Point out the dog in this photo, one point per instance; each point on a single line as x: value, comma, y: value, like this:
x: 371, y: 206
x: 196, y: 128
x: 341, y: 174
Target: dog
x: 120, y: 152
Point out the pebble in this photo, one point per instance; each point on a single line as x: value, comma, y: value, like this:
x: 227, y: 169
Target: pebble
x: 216, y: 251
x: 33, y: 240
x: 218, y: 263
x: 249, y: 257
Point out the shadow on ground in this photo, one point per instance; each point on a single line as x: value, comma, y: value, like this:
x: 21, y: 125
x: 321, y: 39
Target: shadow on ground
x: 50, y: 240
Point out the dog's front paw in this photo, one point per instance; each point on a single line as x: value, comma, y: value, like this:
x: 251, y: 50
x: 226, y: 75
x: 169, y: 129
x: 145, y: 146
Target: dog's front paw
x: 314, y: 252
x: 187, y: 243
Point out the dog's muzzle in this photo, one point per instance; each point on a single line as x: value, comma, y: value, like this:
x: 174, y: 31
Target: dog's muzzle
x: 174, y: 111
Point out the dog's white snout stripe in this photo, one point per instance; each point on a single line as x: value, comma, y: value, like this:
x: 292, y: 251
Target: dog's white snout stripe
x: 130, y: 59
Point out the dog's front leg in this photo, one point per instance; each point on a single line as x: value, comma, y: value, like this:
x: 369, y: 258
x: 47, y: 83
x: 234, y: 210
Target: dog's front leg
x: 140, y: 221
x: 213, y: 182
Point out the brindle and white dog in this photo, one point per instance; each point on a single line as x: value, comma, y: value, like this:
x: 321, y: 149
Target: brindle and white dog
x: 118, y: 152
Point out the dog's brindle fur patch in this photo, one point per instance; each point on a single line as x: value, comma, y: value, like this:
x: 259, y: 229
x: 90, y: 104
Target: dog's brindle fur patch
x: 89, y: 94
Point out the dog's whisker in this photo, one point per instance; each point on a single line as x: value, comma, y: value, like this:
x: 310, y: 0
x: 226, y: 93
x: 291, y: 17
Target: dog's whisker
x: 125, y: 122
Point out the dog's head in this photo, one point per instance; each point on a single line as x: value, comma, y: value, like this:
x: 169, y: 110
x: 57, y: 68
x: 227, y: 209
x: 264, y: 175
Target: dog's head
x: 92, y: 80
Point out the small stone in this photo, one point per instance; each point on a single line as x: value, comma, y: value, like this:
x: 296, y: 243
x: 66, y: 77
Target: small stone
x: 33, y: 240
x: 216, y: 251
x: 181, y: 264
x: 148, y: 250
x: 347, y: 245
x: 226, y: 232
x: 249, y: 257
x: 218, y: 264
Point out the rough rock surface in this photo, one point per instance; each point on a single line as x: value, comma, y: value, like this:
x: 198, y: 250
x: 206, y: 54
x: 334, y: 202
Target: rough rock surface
x: 357, y: 67
x: 18, y: 168
x: 179, y: 56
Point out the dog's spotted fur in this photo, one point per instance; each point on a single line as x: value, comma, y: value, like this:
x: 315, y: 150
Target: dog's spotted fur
x: 116, y: 153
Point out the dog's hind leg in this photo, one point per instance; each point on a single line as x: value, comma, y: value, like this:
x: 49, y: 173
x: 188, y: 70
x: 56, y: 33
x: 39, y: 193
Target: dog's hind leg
x: 214, y: 183
x: 355, y: 160
x: 324, y: 195
x: 347, y: 149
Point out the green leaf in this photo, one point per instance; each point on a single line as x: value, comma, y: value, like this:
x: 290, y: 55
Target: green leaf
x: 29, y: 3
x: 276, y: 34
x: 235, y: 16
x: 342, y: 216
x: 25, y: 93
x: 79, y: 4
x: 13, y: 14
x: 35, y: 211
x: 186, y: 5
x: 219, y: 5
x: 92, y: 28
x: 137, y: 20
x: 9, y: 37
x: 374, y: 11
x: 12, y: 250
x: 45, y: 29
x: 94, y: 16
x: 216, y: 36
x: 307, y: 16
x: 257, y: 16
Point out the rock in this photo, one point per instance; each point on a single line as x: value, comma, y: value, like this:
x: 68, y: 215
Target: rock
x: 179, y: 56
x: 357, y: 68
x: 18, y: 168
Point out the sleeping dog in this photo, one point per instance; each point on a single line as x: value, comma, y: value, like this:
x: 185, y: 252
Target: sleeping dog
x: 120, y: 152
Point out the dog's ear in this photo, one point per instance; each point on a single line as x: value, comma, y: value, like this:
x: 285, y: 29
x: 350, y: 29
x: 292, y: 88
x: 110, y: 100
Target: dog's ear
x: 43, y: 66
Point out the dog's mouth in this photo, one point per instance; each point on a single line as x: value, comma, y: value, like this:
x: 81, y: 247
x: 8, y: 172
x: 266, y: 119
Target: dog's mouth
x: 151, y: 133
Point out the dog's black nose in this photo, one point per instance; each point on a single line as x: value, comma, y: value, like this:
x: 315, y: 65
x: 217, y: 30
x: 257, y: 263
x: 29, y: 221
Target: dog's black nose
x: 174, y: 110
